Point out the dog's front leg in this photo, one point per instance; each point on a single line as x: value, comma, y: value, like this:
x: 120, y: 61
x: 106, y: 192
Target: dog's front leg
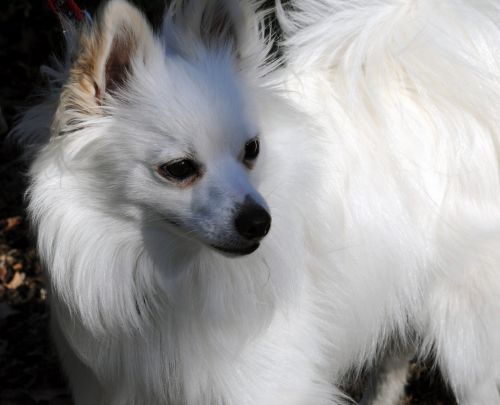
x: 463, y: 328
x: 386, y: 385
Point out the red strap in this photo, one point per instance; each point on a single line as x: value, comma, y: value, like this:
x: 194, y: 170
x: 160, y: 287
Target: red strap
x: 66, y: 7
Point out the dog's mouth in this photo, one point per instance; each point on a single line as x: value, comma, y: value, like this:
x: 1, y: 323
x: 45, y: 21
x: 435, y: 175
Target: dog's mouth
x: 230, y: 251
x: 240, y: 251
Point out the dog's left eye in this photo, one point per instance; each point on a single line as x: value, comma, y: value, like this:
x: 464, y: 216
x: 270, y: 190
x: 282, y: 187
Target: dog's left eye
x: 252, y: 149
x: 179, y: 169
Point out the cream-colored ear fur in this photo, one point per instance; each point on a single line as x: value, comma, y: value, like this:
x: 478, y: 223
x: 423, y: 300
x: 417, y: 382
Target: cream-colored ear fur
x: 104, y: 60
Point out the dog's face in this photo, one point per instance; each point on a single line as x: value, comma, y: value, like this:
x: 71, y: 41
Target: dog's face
x: 193, y: 148
x: 181, y: 145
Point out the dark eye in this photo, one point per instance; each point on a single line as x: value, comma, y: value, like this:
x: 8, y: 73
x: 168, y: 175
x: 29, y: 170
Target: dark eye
x: 179, y: 169
x: 252, y: 149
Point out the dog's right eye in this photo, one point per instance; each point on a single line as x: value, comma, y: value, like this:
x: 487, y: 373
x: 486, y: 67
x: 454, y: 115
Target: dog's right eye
x: 252, y: 148
x: 179, y: 170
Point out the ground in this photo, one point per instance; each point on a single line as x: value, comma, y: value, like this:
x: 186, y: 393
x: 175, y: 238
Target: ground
x: 29, y: 370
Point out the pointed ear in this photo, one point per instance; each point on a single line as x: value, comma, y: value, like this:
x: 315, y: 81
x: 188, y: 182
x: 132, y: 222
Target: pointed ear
x: 120, y: 39
x: 121, y: 36
x: 221, y: 21
x: 213, y: 22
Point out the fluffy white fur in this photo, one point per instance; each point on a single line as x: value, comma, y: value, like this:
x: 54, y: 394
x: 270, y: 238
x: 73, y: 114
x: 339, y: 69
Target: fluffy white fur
x: 380, y: 167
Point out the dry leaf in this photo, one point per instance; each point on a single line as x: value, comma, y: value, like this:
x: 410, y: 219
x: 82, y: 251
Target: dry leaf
x: 16, y: 281
x: 11, y: 223
x: 17, y: 267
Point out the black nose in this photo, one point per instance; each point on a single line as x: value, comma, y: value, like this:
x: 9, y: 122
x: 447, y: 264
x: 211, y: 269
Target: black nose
x: 253, y: 222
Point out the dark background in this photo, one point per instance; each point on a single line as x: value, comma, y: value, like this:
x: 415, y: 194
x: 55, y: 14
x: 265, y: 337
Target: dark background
x: 29, y: 371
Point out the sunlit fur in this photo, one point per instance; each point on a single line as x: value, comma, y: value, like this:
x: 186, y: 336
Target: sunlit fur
x: 379, y: 165
x: 408, y: 94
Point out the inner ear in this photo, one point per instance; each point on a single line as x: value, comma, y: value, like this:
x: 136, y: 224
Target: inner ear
x: 119, y: 62
x: 108, y: 51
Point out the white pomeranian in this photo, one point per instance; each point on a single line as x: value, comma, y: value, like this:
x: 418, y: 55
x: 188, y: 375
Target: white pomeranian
x: 374, y: 146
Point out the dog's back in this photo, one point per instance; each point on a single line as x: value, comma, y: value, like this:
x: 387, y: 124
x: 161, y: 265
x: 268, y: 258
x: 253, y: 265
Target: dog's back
x: 408, y: 93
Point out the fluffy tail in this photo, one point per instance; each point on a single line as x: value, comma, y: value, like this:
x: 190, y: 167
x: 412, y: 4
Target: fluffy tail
x: 445, y: 48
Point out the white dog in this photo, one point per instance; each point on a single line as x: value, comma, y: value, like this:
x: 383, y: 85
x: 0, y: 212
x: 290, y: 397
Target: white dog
x: 375, y: 149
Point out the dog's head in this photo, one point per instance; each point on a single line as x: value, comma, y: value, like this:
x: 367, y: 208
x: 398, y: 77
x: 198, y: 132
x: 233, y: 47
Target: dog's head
x: 170, y: 134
